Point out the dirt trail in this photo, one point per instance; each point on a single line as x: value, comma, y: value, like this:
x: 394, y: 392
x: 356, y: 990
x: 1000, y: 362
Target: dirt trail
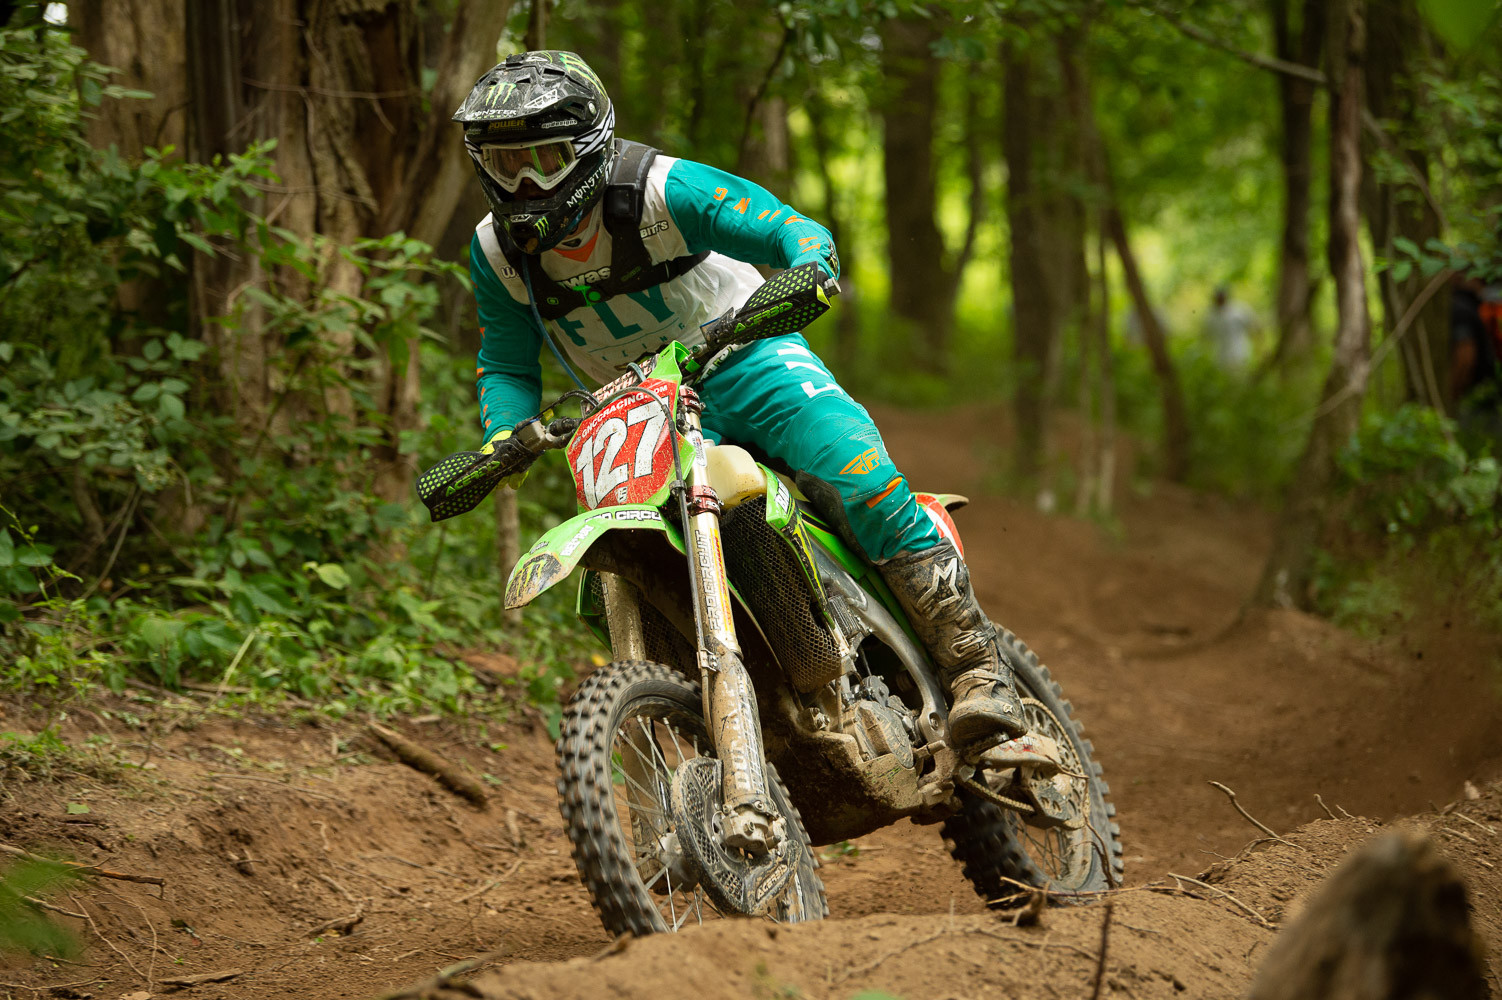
x: 265, y: 829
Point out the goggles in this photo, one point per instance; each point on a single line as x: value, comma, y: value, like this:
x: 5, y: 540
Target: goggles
x: 545, y: 163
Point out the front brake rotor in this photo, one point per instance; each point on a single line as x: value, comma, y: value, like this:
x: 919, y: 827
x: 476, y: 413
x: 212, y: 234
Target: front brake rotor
x: 731, y: 879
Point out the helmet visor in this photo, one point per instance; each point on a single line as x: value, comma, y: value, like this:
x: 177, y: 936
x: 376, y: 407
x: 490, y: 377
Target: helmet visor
x: 544, y: 163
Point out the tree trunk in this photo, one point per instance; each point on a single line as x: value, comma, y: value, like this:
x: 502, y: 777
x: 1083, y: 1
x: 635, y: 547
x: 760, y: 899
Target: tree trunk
x: 915, y: 246
x: 1105, y: 476
x: 1043, y: 145
x: 847, y: 314
x: 1176, y: 435
x: 144, y: 41
x: 1285, y: 579
x: 338, y: 85
x: 1296, y: 104
x: 1034, y: 317
x: 1097, y: 388
x: 1403, y: 207
x: 537, y: 26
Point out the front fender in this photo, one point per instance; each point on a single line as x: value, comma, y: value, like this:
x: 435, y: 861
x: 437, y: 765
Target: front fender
x: 556, y: 553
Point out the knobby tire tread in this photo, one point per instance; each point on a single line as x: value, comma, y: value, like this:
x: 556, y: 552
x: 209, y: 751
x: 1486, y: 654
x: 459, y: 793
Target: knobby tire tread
x: 600, y: 850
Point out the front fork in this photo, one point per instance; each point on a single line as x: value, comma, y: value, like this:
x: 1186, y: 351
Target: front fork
x: 749, y: 820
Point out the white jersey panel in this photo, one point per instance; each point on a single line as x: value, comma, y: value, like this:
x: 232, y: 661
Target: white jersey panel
x: 602, y: 338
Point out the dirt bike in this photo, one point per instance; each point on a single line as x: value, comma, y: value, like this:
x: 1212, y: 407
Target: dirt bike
x: 767, y: 694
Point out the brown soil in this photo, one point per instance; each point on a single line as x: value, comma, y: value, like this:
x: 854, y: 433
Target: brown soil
x: 265, y: 829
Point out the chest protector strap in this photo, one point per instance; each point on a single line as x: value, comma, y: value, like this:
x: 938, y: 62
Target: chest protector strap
x: 631, y: 267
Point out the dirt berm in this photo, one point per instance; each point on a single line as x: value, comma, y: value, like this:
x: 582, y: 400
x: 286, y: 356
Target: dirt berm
x: 1158, y: 941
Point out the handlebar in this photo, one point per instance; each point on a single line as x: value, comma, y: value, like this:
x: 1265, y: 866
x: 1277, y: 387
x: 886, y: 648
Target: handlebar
x: 517, y: 453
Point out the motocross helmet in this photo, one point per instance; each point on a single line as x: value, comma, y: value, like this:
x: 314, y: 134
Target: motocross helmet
x: 540, y: 130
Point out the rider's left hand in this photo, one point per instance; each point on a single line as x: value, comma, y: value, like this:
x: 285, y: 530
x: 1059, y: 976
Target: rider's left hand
x: 513, y: 482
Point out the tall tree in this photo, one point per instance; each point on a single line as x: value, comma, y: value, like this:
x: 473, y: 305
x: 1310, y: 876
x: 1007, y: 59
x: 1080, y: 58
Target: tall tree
x: 1285, y: 578
x: 1036, y: 313
x: 1097, y: 391
x: 361, y: 151
x: 1298, y: 34
x: 1400, y: 204
x: 924, y: 275
x: 833, y: 215
x: 143, y: 41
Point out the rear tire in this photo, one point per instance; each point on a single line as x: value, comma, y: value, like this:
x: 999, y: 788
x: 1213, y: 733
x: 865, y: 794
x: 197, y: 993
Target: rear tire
x: 1000, y: 854
x: 617, y: 823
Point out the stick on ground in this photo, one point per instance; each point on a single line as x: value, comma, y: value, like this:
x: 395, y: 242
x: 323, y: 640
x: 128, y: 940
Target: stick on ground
x: 1250, y: 818
x: 81, y: 869
x: 1230, y: 898
x: 415, y: 755
x: 204, y: 977
x: 444, y: 976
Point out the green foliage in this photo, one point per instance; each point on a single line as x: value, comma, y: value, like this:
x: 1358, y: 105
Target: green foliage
x: 253, y: 553
x: 1407, y: 476
x: 24, y: 926
x: 1436, y: 512
x: 1462, y: 23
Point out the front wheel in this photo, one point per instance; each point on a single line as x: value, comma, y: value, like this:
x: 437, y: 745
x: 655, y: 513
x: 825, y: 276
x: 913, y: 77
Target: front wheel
x: 1002, y: 854
x: 625, y: 734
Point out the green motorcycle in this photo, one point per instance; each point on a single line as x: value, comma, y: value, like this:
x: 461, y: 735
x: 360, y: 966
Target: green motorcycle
x: 766, y: 694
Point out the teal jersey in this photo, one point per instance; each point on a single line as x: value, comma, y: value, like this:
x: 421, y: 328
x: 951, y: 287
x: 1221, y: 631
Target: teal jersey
x: 689, y: 208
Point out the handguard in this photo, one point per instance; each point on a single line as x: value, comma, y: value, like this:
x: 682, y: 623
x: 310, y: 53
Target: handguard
x: 457, y: 484
x: 786, y: 303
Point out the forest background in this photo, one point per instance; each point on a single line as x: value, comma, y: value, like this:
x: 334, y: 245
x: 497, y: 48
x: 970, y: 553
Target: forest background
x: 235, y: 319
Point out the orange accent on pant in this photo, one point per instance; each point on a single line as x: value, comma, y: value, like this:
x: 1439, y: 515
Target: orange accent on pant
x: 884, y: 493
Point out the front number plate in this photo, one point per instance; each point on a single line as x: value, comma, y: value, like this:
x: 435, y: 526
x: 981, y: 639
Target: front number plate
x: 623, y: 453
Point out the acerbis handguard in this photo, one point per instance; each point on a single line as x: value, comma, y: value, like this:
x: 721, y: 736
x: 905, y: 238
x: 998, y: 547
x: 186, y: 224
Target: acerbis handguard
x: 786, y: 303
x: 457, y: 484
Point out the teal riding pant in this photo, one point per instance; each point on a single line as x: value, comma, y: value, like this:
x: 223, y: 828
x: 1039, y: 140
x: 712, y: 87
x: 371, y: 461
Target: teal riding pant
x: 778, y: 398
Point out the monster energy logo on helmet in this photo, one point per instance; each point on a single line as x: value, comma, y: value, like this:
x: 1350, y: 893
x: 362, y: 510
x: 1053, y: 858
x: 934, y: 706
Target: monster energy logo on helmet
x: 540, y: 98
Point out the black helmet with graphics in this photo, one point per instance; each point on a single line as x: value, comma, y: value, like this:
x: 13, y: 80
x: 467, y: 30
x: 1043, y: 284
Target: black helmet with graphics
x: 540, y: 129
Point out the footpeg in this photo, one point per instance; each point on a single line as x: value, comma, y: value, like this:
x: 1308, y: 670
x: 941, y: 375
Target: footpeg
x: 1031, y: 753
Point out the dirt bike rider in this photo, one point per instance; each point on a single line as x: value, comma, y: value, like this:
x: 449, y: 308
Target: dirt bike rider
x: 546, y: 269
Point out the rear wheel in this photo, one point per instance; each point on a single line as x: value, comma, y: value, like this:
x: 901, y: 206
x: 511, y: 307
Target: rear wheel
x: 1002, y: 854
x: 626, y: 732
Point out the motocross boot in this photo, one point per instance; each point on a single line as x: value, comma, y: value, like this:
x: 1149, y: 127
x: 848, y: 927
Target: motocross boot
x: 933, y: 587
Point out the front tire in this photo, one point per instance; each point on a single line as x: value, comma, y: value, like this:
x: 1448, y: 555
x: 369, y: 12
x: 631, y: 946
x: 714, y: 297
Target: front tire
x: 624, y: 732
x: 1002, y: 855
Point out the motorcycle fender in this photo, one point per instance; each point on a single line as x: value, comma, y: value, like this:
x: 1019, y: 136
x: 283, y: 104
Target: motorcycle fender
x: 556, y: 553
x: 937, y: 506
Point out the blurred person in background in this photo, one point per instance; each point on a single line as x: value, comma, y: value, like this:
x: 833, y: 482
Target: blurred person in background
x: 1229, y: 329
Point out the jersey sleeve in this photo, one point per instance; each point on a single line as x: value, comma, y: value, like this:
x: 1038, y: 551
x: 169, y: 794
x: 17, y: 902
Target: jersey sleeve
x: 719, y: 211
x: 509, y: 375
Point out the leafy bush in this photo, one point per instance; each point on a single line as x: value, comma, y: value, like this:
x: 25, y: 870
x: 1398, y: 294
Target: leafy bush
x: 201, y: 548
x: 1437, y: 511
